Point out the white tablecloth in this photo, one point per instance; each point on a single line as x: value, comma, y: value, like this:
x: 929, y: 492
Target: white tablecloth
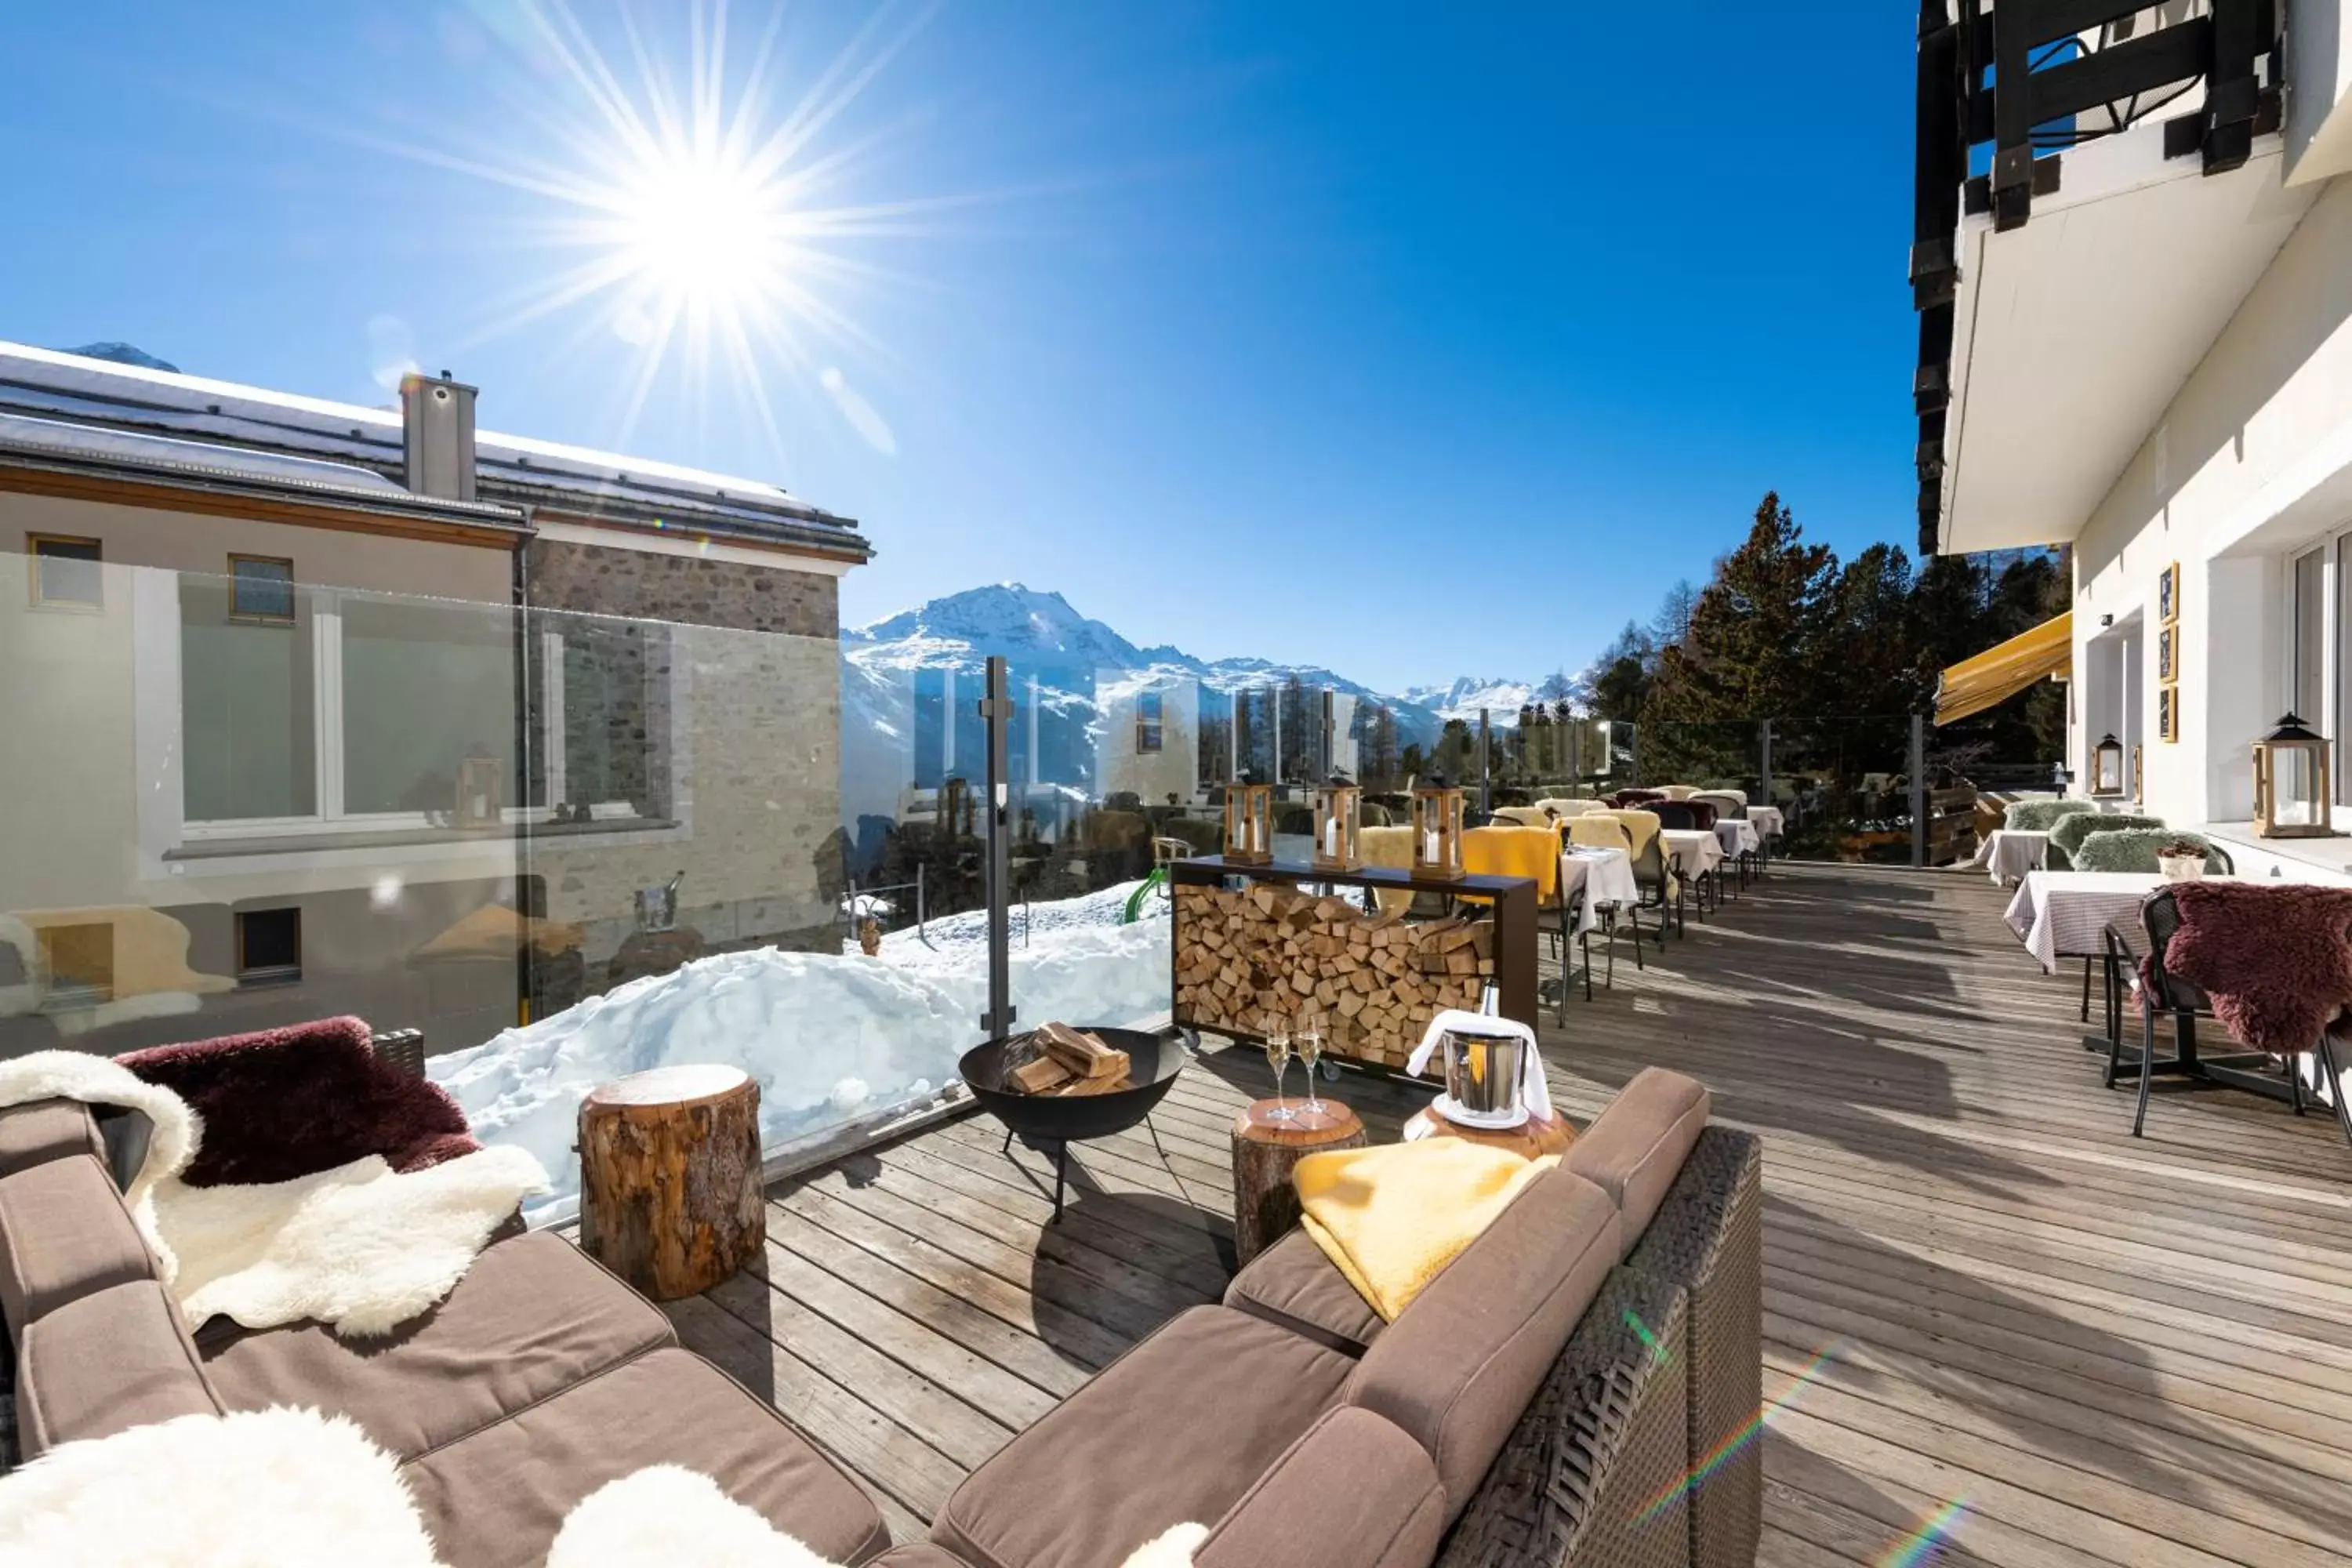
x: 1737, y: 837
x: 1766, y: 820
x: 1695, y: 851
x: 2064, y: 914
x: 1605, y: 875
x: 2008, y: 853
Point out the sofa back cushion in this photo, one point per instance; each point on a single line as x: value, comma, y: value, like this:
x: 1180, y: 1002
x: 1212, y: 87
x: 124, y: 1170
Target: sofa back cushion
x: 1635, y: 1146
x: 104, y: 1363
x: 1459, y: 1365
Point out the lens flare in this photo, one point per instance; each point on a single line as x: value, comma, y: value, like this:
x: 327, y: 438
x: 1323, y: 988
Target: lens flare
x: 1723, y: 1452
x: 1921, y: 1546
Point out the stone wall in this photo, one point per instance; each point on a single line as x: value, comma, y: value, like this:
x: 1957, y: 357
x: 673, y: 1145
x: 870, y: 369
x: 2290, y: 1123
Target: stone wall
x: 690, y: 589
x: 739, y: 716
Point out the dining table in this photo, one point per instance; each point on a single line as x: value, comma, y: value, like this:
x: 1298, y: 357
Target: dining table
x: 1738, y: 835
x: 1766, y: 821
x: 1695, y: 850
x: 1605, y: 877
x: 2060, y: 915
x: 2008, y: 853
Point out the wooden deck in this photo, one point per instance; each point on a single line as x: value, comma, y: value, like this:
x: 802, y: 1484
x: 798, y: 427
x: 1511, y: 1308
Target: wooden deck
x: 2080, y: 1347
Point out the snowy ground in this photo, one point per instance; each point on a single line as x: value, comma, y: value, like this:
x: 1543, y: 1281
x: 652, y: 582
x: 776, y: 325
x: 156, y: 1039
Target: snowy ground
x: 832, y: 1040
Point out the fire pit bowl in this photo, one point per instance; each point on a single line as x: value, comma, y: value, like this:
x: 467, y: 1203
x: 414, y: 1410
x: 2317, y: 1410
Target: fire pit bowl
x: 1050, y: 1123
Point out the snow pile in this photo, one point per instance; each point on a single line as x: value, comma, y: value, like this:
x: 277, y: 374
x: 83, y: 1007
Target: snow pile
x: 832, y: 1039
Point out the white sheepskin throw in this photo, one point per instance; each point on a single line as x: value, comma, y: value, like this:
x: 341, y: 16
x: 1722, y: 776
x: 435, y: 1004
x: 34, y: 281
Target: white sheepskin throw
x: 269, y: 1488
x: 96, y: 1080
x: 362, y: 1248
x: 668, y: 1517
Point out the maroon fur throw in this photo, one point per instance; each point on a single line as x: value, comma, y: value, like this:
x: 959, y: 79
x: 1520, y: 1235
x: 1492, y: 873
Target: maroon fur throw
x: 2274, y: 956
x: 292, y: 1102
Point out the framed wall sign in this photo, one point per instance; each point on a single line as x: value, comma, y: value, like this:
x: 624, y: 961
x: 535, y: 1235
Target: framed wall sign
x: 2168, y: 666
x: 2168, y: 594
x: 2168, y: 713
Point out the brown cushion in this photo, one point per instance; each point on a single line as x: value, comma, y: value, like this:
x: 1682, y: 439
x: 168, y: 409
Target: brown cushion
x: 103, y: 1364
x: 1354, y: 1492
x: 1293, y: 1285
x: 43, y: 1131
x: 1634, y: 1147
x: 1174, y: 1431
x: 64, y: 1234
x: 496, y: 1499
x: 918, y: 1555
x: 532, y: 1317
x: 1458, y: 1366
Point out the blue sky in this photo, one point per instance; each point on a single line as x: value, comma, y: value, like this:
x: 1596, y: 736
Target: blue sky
x: 1327, y: 332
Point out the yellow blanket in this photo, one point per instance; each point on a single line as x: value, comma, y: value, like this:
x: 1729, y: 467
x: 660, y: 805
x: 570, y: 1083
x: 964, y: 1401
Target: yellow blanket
x: 1390, y: 1218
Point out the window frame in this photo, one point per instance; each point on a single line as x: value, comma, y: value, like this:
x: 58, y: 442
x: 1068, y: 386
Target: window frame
x: 252, y: 977
x: 1151, y: 728
x: 2333, y: 551
x: 34, y: 540
x: 255, y: 617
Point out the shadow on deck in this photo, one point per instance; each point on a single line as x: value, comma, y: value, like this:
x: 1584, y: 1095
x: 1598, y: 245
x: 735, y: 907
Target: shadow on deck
x: 1985, y: 1302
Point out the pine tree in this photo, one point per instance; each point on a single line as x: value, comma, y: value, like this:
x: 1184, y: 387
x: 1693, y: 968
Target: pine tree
x: 1755, y: 645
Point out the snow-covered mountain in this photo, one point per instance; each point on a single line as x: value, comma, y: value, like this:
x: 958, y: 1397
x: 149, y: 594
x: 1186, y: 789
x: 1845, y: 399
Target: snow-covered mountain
x: 124, y: 353
x: 898, y: 672
x: 1502, y: 699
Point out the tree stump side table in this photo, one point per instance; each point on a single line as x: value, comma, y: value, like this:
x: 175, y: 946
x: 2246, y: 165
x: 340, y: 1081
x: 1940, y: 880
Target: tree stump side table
x: 669, y: 1178
x: 1531, y: 1138
x: 1266, y: 1151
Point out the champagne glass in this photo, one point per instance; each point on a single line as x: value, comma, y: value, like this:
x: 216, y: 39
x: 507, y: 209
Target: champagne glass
x: 1310, y: 1051
x: 1277, y: 1056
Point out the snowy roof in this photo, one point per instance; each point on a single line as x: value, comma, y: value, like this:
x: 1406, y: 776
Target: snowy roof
x: 103, y: 397
x: 66, y: 444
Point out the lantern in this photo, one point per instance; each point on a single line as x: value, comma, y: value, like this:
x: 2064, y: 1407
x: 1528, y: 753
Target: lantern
x: 1336, y: 844
x: 1249, y: 823
x: 2108, y: 767
x: 2292, y: 789
x: 1436, y: 831
x: 479, y: 790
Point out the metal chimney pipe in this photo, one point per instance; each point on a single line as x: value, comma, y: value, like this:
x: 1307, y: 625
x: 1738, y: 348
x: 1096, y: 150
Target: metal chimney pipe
x: 437, y: 435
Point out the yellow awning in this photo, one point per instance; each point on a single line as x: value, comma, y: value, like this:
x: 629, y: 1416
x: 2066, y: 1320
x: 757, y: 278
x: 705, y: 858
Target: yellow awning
x: 1975, y: 684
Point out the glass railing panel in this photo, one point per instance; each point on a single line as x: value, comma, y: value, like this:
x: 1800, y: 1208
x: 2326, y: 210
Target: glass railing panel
x: 242, y: 803
x: 1844, y: 787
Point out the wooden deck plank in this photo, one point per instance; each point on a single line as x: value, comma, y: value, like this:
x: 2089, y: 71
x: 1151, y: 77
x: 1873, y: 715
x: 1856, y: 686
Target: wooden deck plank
x: 2105, y: 1349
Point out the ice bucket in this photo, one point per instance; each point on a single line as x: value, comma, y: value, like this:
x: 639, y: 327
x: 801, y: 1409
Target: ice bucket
x: 1482, y: 1069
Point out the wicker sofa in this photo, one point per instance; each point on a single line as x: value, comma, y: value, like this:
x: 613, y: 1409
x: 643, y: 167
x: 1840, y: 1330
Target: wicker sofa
x: 1540, y: 1403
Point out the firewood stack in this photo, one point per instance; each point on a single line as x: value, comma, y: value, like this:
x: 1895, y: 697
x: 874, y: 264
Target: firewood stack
x: 1377, y: 980
x: 1059, y: 1061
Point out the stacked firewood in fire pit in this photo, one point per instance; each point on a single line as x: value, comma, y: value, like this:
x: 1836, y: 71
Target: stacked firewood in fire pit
x: 1059, y: 1061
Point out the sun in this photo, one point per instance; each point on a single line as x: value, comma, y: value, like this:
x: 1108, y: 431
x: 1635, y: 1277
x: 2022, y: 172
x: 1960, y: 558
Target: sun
x: 701, y: 232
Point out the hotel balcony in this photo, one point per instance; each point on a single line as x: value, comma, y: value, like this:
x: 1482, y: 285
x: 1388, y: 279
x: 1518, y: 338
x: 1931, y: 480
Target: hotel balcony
x: 2099, y: 186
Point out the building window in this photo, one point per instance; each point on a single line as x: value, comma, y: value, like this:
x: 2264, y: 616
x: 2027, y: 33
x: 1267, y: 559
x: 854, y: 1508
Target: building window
x: 268, y: 946
x: 67, y: 571
x: 261, y: 588
x: 249, y: 710
x: 1148, y: 733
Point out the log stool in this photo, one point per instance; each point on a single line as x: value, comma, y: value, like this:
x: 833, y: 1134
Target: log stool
x: 1266, y: 1205
x: 669, y: 1178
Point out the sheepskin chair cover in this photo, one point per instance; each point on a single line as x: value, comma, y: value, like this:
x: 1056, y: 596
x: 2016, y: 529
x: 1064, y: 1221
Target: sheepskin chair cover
x: 2274, y: 957
x: 2066, y: 834
x: 283, y: 1103
x: 2042, y: 815
x: 2134, y: 849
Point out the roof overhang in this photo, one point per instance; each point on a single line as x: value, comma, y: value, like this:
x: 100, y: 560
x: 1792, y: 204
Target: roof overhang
x: 2072, y: 335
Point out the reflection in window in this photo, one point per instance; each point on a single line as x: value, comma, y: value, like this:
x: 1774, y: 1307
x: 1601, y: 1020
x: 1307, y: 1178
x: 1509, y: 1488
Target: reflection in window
x: 1148, y: 734
x: 67, y: 571
x: 426, y: 688
x: 247, y: 711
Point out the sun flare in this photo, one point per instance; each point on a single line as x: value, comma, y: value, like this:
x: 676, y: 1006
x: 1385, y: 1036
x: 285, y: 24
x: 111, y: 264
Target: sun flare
x: 698, y: 213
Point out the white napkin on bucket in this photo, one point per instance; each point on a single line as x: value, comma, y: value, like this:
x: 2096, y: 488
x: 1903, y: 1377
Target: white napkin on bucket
x: 1535, y: 1093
